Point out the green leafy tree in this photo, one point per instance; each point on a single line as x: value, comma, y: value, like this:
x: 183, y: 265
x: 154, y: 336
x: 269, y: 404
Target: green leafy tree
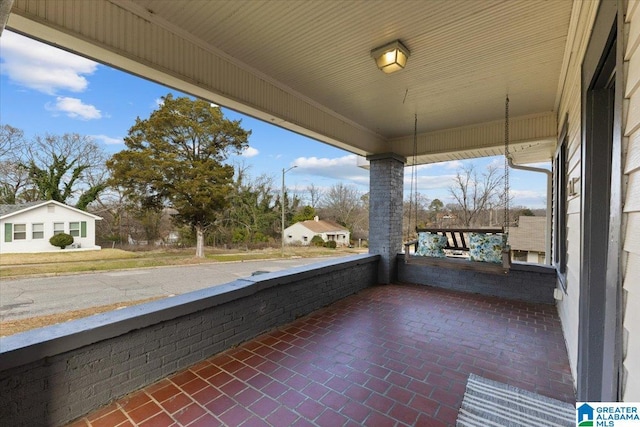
x: 435, y: 207
x: 304, y: 214
x: 175, y: 158
x: 251, y: 215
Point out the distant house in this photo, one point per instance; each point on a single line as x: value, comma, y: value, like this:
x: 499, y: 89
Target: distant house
x: 302, y: 232
x: 27, y: 227
x: 527, y: 240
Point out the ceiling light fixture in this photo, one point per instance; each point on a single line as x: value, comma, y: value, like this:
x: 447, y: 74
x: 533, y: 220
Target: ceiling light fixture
x: 391, y: 57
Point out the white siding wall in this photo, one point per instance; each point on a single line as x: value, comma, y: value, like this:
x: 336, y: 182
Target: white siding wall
x: 571, y: 104
x: 42, y: 215
x: 584, y: 13
x: 297, y: 233
x: 631, y: 216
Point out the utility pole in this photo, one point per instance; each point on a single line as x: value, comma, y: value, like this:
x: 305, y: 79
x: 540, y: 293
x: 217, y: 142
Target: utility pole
x: 284, y: 171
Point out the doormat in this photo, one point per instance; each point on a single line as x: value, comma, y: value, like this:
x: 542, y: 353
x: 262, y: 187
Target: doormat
x: 490, y: 403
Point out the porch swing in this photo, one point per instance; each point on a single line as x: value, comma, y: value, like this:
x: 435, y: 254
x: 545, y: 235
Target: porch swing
x: 488, y: 248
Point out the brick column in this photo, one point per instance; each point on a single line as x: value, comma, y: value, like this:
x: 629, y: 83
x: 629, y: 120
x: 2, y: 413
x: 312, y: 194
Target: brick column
x: 386, y: 175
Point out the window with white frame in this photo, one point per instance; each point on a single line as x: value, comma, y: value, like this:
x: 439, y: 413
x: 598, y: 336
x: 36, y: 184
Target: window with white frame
x: 20, y: 232
x: 559, y: 250
x: 74, y: 229
x: 37, y: 231
x: 58, y: 228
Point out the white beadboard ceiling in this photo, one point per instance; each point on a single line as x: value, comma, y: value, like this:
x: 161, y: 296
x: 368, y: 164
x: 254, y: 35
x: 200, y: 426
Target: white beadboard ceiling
x: 466, y: 56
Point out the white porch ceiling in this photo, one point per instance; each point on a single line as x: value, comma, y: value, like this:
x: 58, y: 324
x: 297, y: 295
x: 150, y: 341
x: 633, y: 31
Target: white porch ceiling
x: 305, y: 65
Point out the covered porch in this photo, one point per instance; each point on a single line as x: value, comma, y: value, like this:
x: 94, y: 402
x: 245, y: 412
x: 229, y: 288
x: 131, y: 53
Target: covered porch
x: 323, y: 344
x: 277, y: 61
x: 388, y: 355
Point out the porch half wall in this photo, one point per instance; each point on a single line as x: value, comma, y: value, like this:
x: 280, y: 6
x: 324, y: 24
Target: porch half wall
x: 52, y: 375
x: 524, y: 282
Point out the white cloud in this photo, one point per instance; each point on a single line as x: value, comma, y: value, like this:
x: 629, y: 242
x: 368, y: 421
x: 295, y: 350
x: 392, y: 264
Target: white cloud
x: 107, y: 140
x: 42, y: 67
x: 320, y: 163
x: 343, y: 168
x: 528, y: 198
x: 74, y: 108
x: 249, y: 152
x: 497, y: 163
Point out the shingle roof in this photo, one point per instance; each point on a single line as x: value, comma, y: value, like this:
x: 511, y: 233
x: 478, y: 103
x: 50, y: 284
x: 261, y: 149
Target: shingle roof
x: 529, y: 235
x: 7, y: 209
x: 10, y: 210
x: 323, y: 226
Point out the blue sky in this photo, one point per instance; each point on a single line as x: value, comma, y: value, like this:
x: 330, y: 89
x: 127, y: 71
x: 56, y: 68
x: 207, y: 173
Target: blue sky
x: 46, y: 90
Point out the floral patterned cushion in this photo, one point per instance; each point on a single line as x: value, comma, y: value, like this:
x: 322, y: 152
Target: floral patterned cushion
x: 430, y: 244
x: 486, y: 247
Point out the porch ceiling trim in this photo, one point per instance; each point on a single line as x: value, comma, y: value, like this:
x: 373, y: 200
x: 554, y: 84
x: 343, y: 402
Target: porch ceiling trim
x: 532, y: 139
x: 139, y: 44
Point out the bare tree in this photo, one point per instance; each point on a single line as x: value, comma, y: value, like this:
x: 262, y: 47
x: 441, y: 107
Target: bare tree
x: 415, y: 214
x: 342, y: 204
x: 70, y: 166
x: 10, y: 139
x: 474, y: 193
x: 13, y: 174
x: 315, y: 196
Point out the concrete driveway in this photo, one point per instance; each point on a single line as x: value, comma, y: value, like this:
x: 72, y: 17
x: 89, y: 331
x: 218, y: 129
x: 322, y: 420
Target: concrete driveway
x: 23, y: 298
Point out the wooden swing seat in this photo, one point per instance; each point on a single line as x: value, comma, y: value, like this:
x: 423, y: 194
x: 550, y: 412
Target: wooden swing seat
x: 457, y: 243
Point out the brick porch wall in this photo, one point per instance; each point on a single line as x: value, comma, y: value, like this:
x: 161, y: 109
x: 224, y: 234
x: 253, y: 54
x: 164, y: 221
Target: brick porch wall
x: 53, y: 375
x: 525, y: 282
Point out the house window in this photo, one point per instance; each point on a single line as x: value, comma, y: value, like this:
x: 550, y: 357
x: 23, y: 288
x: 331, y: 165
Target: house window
x: 74, y: 229
x: 520, y: 256
x: 37, y: 231
x: 304, y: 238
x: 58, y: 228
x: 541, y: 257
x: 560, y: 208
x: 19, y: 231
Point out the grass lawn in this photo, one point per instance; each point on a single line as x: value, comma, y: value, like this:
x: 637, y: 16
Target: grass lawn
x: 69, y: 262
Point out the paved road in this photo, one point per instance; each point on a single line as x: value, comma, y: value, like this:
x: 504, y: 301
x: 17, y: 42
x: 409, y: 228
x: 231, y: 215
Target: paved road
x: 21, y: 298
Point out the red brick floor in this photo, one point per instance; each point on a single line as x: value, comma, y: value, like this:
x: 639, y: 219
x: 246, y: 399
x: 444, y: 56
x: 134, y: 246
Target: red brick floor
x: 389, y: 356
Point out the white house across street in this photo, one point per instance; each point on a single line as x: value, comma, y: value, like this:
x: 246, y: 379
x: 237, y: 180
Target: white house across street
x: 302, y: 232
x: 27, y: 227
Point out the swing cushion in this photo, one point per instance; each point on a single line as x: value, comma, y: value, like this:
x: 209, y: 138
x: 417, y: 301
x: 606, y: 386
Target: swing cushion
x: 486, y: 247
x: 431, y: 244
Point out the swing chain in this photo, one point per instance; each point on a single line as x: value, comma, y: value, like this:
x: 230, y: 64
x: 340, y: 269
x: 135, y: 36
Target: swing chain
x: 506, y: 165
x: 413, y: 195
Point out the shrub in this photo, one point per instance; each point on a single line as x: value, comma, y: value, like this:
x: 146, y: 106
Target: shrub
x: 317, y: 240
x: 331, y: 244
x: 61, y: 240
